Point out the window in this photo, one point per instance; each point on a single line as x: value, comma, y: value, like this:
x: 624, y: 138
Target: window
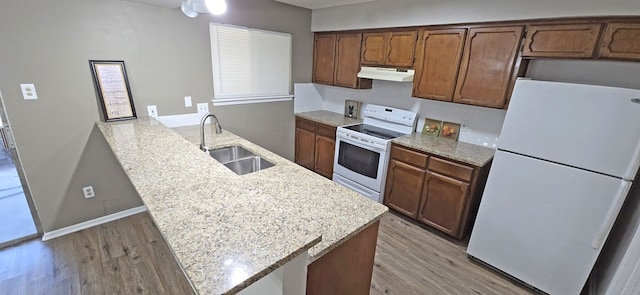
x: 249, y: 65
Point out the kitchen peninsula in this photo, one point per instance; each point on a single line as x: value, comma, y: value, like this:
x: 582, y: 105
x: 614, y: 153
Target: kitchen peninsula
x: 227, y: 231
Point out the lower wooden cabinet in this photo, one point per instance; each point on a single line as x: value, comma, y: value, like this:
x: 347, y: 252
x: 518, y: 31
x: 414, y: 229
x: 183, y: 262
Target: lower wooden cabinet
x: 443, y: 202
x: 315, y: 146
x: 443, y: 194
x: 404, y: 187
x: 323, y: 159
x: 305, y: 144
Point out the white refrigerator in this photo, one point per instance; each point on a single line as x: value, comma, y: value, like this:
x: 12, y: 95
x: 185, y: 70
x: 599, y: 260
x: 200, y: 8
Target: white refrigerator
x: 566, y: 158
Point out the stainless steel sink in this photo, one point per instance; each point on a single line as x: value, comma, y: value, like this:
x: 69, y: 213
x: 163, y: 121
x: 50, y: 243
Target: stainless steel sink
x: 230, y: 153
x: 239, y: 160
x: 248, y: 165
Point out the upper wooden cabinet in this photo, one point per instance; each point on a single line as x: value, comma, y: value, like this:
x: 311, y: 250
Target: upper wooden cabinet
x: 621, y: 41
x: 324, y: 50
x: 437, y: 61
x: 389, y: 49
x: 485, y: 76
x: 336, y: 60
x: 573, y: 41
x: 374, y: 48
x: 347, y: 65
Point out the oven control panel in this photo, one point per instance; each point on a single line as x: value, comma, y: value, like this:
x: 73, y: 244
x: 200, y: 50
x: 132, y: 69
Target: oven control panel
x: 398, y: 116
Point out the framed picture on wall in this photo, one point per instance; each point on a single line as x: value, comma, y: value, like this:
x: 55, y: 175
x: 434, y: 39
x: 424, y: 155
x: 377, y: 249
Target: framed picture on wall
x: 450, y: 130
x: 431, y: 127
x: 352, y: 108
x: 112, y: 86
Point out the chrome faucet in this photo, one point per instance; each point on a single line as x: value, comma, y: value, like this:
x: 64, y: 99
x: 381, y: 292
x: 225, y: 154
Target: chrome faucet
x: 203, y: 147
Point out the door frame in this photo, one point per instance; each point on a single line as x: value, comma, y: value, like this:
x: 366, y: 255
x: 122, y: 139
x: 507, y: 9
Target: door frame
x: 15, y: 156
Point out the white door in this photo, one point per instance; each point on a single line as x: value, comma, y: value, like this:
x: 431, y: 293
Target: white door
x: 596, y: 128
x: 545, y: 223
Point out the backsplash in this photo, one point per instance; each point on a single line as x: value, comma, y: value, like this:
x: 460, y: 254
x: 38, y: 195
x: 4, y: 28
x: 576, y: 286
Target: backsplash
x: 484, y: 123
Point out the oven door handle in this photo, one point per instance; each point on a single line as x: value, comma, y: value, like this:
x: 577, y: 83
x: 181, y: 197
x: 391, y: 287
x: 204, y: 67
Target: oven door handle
x: 376, y: 147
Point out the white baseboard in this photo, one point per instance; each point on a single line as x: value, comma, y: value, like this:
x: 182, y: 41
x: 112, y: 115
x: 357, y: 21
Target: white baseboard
x: 91, y: 223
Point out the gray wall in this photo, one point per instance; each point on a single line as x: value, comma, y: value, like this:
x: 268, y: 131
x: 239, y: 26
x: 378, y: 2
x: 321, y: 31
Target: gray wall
x: 396, y: 13
x: 167, y: 56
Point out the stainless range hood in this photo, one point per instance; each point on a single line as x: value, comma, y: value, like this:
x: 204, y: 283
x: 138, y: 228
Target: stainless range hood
x: 387, y: 74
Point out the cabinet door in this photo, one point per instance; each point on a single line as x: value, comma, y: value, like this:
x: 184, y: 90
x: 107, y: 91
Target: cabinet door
x: 437, y: 64
x: 305, y: 143
x: 401, y: 49
x: 374, y: 48
x: 621, y: 41
x: 324, y: 49
x: 347, y: 60
x: 404, y: 188
x: 325, y: 149
x: 443, y: 203
x: 577, y: 41
x: 487, y: 64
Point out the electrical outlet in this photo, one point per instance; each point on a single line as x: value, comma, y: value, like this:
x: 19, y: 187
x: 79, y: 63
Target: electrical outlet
x: 88, y: 192
x: 464, y: 125
x: 203, y: 108
x: 29, y: 91
x: 187, y: 101
x: 153, y: 111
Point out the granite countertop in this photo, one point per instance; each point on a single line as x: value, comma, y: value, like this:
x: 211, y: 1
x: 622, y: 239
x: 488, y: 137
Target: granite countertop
x: 456, y: 150
x: 225, y: 230
x: 328, y: 118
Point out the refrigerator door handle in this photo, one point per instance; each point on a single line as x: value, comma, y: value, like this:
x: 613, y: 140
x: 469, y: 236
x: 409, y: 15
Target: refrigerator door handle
x: 635, y: 164
x: 606, y: 227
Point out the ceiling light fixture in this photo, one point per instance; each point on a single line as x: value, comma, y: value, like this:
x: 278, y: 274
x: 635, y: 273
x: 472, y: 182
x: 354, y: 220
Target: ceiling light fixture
x: 192, y: 8
x: 216, y: 7
x: 187, y: 9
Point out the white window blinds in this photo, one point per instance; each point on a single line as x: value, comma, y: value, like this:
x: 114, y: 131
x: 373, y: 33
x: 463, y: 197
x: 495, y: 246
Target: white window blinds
x: 249, y: 64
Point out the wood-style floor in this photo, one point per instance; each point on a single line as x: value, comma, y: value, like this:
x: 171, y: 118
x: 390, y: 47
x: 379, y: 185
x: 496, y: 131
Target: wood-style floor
x: 411, y: 259
x: 126, y: 256
x: 129, y: 256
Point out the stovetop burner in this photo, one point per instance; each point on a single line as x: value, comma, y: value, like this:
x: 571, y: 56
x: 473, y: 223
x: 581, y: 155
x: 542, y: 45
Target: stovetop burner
x: 375, y: 131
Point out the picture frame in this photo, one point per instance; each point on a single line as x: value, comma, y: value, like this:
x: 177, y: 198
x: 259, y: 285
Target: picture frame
x: 450, y: 130
x: 432, y: 127
x: 112, y: 86
x: 352, y: 108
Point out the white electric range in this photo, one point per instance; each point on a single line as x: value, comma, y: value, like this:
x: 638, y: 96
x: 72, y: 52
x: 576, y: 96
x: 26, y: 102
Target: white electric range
x: 362, y: 150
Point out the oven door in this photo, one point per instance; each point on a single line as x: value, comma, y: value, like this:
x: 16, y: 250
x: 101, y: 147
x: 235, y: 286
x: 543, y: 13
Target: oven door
x: 360, y: 162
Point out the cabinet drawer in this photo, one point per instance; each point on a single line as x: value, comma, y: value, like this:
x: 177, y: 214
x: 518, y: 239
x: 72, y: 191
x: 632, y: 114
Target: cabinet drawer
x: 410, y: 157
x: 326, y: 131
x: 305, y: 124
x: 450, y: 169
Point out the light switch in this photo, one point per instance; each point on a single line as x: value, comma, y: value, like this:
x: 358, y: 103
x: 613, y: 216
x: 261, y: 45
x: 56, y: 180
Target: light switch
x: 29, y: 91
x: 187, y: 101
